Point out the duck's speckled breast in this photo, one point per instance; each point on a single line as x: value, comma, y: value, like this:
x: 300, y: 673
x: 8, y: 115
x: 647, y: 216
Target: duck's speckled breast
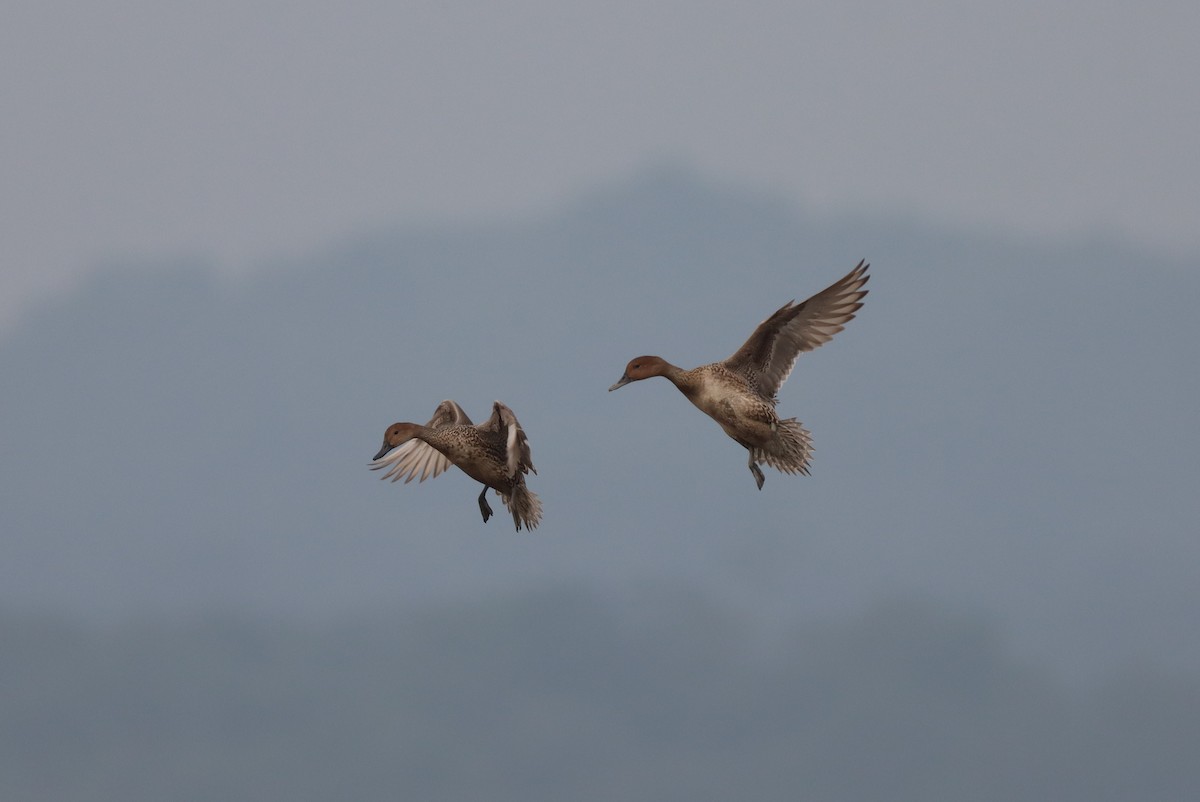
x: 727, y: 398
x: 480, y: 455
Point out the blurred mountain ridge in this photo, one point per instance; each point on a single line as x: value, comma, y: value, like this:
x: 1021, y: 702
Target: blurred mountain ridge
x: 1008, y: 424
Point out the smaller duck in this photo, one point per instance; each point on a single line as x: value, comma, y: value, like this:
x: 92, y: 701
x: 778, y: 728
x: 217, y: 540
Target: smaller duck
x: 740, y: 392
x: 495, y: 453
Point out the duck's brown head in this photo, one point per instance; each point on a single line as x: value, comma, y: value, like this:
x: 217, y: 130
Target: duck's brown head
x: 396, y: 434
x: 642, y: 367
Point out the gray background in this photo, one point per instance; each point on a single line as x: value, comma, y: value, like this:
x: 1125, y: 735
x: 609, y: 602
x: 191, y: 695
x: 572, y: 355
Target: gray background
x: 239, y: 246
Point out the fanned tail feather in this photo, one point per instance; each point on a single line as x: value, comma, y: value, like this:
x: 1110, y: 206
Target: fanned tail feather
x: 791, y: 450
x: 525, y: 506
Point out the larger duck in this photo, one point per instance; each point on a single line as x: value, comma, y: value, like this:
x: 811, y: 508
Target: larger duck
x: 739, y: 393
x: 495, y: 453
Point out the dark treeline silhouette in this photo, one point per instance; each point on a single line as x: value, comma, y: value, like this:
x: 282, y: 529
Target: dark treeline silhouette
x: 562, y: 694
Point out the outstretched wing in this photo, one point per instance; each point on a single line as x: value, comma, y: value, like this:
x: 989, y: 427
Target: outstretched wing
x: 503, y: 421
x: 416, y: 459
x: 768, y: 356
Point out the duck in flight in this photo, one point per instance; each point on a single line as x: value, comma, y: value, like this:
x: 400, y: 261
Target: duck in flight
x: 739, y: 393
x: 495, y: 453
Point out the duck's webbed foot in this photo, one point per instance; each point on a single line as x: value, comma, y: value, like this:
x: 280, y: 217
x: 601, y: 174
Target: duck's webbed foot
x: 758, y: 474
x: 484, y: 507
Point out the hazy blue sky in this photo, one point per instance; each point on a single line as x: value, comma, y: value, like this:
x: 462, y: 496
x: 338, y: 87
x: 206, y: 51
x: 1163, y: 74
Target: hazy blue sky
x: 245, y: 131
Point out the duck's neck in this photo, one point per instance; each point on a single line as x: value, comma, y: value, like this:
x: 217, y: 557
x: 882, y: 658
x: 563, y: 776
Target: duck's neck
x: 415, y: 431
x: 683, y: 379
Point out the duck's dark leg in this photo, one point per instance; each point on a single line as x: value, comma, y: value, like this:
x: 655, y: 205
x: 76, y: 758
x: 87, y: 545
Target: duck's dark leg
x: 754, y: 469
x: 483, y: 505
x: 758, y: 474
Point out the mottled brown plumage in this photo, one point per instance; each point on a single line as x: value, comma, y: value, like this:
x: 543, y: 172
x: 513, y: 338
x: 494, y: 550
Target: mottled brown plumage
x: 739, y: 393
x: 495, y: 453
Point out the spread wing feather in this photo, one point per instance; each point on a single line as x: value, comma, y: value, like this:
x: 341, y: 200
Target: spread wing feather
x: 767, y: 358
x: 503, y: 421
x: 417, y: 459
